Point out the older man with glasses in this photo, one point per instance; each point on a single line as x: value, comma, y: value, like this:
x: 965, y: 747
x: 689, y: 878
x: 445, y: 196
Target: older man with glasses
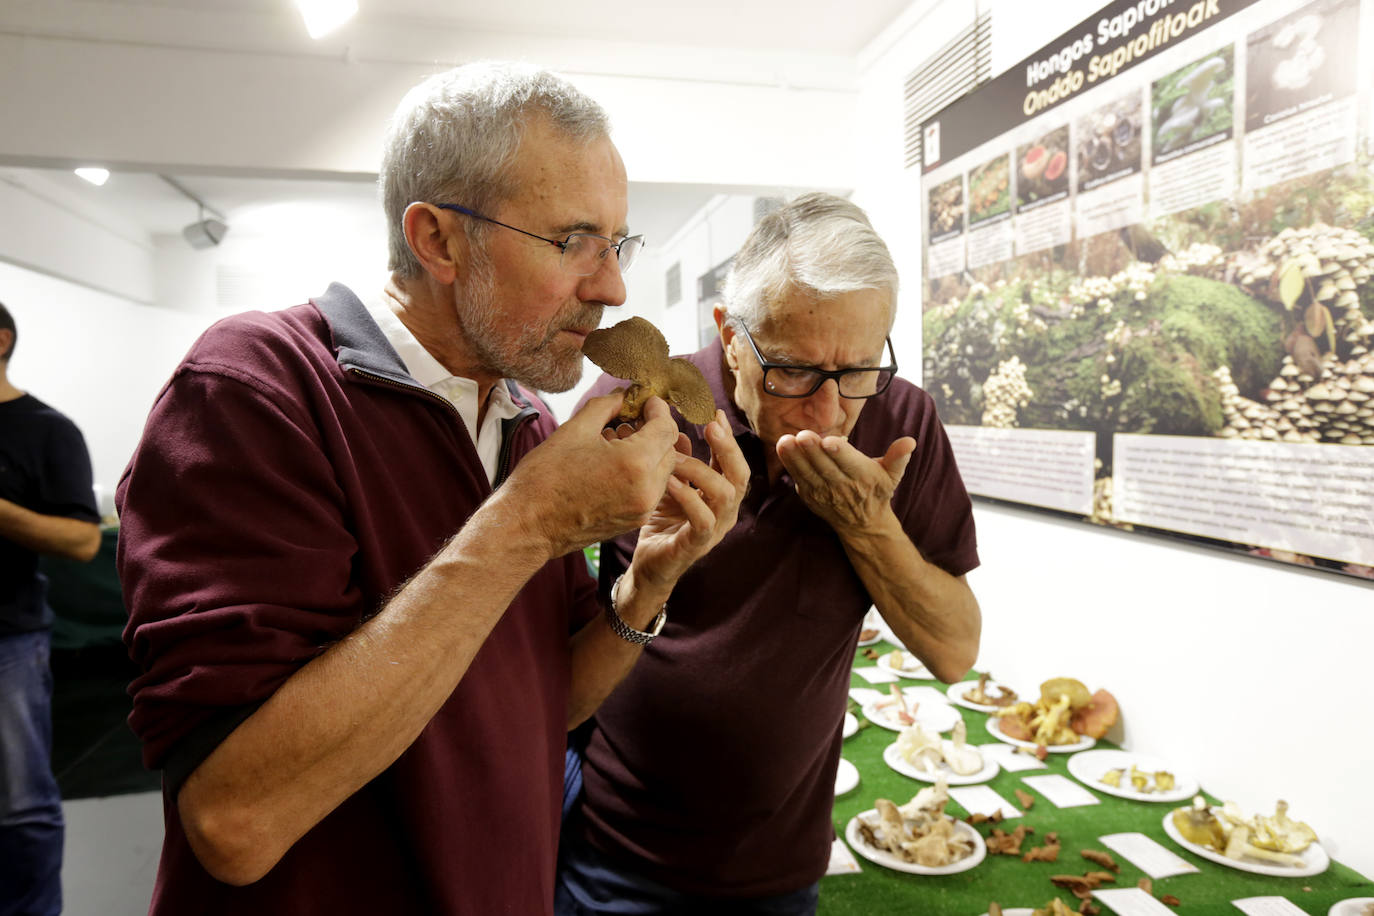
x: 351, y: 537
x: 709, y: 774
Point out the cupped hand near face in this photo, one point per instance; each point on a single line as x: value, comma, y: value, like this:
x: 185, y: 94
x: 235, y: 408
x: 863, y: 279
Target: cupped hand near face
x: 579, y: 487
x: 841, y: 484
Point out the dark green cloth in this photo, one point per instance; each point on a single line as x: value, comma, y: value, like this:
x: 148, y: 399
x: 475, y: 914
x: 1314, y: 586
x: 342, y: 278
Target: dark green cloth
x: 1013, y: 883
x: 85, y: 598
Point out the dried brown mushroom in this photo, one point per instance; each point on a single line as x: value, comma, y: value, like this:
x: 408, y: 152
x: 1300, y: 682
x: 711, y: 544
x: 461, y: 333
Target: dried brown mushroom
x: 636, y: 351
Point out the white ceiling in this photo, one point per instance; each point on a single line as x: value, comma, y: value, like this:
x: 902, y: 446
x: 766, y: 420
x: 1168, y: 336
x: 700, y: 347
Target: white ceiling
x: 766, y: 28
x: 813, y: 26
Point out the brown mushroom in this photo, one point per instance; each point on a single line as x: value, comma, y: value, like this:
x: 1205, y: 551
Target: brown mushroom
x: 1056, y: 687
x: 636, y: 351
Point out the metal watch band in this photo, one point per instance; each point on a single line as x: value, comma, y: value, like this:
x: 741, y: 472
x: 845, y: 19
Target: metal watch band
x: 623, y: 629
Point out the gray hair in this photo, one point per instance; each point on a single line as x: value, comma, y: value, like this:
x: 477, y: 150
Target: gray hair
x: 817, y: 243
x: 455, y: 135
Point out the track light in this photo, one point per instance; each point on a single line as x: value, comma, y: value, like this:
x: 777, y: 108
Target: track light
x: 205, y: 233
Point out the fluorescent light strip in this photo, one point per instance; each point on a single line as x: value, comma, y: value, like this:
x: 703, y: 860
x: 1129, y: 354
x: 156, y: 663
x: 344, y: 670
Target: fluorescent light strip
x: 96, y: 176
x: 324, y: 16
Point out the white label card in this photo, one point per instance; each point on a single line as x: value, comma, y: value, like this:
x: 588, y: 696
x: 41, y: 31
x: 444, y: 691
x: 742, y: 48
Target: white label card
x: 865, y: 695
x: 1268, y: 906
x: 842, y: 861
x: 875, y: 675
x: 1010, y: 758
x: 1132, y: 901
x: 1061, y: 791
x: 1147, y: 855
x: 982, y: 800
x: 925, y: 695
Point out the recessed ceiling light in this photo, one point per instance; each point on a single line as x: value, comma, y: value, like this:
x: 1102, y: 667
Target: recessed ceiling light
x: 95, y: 176
x: 324, y: 16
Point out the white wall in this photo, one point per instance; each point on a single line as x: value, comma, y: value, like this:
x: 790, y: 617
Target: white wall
x: 98, y: 358
x: 1225, y: 666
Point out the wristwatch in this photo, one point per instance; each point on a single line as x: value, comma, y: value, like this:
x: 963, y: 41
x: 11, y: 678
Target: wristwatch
x: 626, y: 632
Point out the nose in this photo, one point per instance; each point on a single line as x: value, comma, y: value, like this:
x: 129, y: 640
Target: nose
x: 825, y: 407
x: 606, y: 285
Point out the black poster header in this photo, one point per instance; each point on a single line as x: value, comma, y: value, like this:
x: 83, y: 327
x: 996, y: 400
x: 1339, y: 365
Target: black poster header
x: 1115, y: 39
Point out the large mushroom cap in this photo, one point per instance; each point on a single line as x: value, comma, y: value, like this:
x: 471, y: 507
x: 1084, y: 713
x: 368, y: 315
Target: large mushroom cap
x: 628, y: 350
x: 689, y: 392
x: 1055, y: 687
x: 635, y: 350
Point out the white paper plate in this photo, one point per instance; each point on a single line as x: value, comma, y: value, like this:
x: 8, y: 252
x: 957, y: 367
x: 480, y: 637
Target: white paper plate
x: 1082, y: 744
x: 956, y: 695
x: 888, y: 860
x: 846, y: 777
x: 912, y: 669
x: 849, y: 726
x: 1089, y: 766
x: 894, y: 759
x: 934, y: 717
x: 1355, y: 906
x: 1314, y: 857
x: 873, y: 621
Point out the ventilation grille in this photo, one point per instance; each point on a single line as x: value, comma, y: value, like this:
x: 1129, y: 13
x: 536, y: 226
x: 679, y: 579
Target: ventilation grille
x: 951, y: 73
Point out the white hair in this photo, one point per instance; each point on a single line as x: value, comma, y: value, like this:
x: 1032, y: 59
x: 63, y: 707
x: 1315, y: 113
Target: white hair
x: 454, y: 136
x: 817, y: 243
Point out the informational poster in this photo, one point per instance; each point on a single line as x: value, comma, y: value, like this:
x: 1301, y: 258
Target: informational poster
x: 1149, y: 285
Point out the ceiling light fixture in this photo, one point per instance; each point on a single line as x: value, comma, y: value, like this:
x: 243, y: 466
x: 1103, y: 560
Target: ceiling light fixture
x: 96, y: 176
x: 324, y: 16
x: 204, y: 232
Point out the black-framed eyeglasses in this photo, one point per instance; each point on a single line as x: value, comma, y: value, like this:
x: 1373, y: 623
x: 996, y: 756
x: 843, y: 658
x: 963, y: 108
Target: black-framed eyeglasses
x: 785, y: 380
x: 582, y: 252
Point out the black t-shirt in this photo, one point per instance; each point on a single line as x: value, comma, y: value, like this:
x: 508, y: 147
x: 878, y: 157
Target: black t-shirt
x: 44, y: 467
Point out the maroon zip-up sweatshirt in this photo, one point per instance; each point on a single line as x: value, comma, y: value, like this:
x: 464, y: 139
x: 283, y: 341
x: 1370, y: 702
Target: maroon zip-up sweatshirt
x: 290, y: 478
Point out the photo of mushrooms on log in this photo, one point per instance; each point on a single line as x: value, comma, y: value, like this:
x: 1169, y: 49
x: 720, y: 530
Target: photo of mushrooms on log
x: 1207, y: 330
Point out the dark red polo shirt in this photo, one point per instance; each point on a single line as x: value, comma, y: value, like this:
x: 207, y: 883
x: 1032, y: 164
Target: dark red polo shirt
x: 712, y: 767
x: 292, y: 476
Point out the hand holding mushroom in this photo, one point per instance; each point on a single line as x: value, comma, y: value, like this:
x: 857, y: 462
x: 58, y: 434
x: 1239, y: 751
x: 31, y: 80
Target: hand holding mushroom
x: 699, y: 505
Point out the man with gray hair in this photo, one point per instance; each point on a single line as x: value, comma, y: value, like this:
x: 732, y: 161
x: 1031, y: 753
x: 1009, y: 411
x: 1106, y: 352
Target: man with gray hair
x: 718, y: 799
x: 351, y: 537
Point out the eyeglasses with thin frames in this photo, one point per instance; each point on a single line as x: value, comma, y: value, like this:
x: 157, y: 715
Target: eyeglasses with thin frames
x: 785, y: 380
x: 581, y: 255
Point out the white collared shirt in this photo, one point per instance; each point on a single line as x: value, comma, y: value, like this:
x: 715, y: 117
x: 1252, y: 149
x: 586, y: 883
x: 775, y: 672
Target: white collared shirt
x: 458, y: 391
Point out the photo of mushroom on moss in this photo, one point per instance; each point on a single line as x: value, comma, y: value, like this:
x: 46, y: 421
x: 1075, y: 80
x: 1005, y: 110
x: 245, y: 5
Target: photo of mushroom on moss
x: 946, y: 208
x: 1043, y: 167
x: 1254, y: 320
x: 1306, y: 56
x: 1108, y: 142
x: 1194, y: 102
x: 989, y: 190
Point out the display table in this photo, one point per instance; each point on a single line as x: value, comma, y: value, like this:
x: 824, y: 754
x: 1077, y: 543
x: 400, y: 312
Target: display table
x: 1014, y: 883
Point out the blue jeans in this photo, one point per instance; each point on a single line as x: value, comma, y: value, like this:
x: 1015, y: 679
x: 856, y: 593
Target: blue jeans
x: 30, y: 804
x: 589, y: 884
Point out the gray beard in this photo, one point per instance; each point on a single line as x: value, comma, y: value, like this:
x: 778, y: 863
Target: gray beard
x: 528, y: 356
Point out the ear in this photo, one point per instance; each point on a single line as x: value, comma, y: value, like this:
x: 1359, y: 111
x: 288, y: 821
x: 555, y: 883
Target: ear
x: 727, y: 335
x: 436, y: 242
x: 6, y: 338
